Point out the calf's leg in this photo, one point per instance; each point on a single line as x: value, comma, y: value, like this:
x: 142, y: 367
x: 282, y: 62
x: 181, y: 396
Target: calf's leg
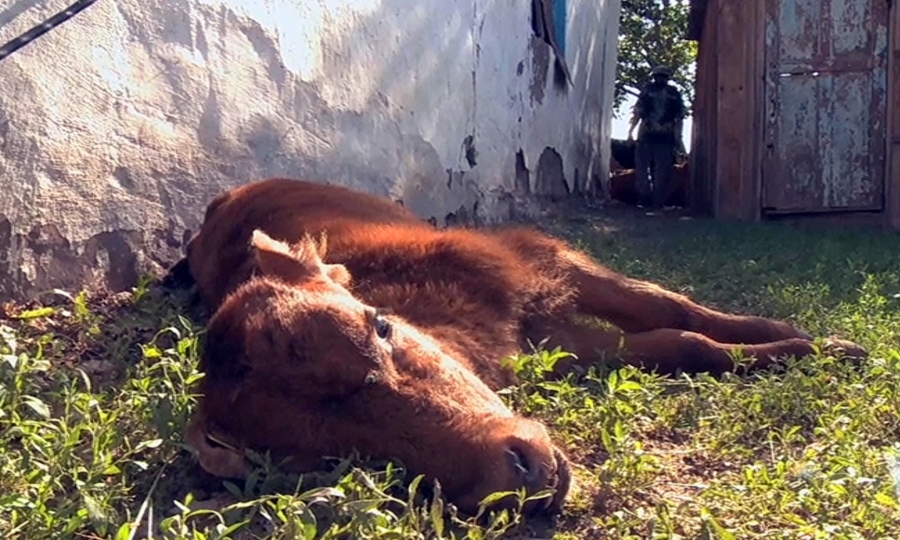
x: 668, y: 350
x: 639, y: 307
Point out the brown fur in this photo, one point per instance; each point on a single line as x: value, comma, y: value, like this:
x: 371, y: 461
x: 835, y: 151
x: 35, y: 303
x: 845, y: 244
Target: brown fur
x: 295, y: 363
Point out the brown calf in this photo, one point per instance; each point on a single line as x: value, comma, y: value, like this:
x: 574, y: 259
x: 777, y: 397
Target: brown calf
x: 341, y: 322
x: 623, y: 186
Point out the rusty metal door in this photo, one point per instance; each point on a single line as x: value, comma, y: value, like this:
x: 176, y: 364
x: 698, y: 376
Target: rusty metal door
x: 826, y: 105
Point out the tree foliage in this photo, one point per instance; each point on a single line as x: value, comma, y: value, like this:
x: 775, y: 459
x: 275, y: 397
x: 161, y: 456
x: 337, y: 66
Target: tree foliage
x: 651, y: 33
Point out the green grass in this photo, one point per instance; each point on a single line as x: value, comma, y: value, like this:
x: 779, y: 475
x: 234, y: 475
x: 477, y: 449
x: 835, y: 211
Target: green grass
x: 95, y: 391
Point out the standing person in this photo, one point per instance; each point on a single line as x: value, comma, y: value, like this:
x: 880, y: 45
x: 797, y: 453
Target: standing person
x: 660, y: 110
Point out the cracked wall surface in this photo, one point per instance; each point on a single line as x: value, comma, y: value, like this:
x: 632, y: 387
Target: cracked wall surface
x: 117, y: 128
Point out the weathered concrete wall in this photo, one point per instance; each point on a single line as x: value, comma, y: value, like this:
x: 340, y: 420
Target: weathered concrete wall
x: 117, y: 128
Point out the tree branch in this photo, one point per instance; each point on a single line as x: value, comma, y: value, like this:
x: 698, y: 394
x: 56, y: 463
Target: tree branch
x: 653, y: 32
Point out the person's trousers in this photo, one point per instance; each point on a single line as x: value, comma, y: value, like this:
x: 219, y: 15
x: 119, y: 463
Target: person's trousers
x: 654, y: 166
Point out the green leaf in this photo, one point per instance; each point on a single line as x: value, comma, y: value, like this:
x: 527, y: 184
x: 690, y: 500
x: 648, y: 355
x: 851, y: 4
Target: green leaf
x: 885, y: 500
x: 36, y: 313
x: 11, y: 359
x: 309, y: 523
x: 629, y: 386
x: 144, y: 445
x: 607, y: 440
x: 322, y: 494
x: 225, y: 531
x: 437, y: 516
x: 93, y: 507
x: 39, y: 407
x: 713, y: 523
x: 124, y: 532
x: 494, y: 497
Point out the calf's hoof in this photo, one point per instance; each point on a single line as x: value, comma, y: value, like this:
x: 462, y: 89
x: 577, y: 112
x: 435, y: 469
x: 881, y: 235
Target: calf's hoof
x: 803, y: 334
x: 848, y: 349
x: 215, y: 455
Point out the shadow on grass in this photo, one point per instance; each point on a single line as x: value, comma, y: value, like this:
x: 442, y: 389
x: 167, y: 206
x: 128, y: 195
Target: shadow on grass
x: 762, y: 267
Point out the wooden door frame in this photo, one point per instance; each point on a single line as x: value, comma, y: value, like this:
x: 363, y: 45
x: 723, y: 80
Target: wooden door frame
x: 892, y: 161
x: 736, y: 158
x: 760, y: 77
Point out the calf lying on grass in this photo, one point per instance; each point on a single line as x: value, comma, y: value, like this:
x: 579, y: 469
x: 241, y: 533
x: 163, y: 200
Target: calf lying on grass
x: 340, y: 321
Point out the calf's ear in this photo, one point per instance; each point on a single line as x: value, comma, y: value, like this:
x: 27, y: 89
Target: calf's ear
x: 296, y: 263
x: 339, y: 274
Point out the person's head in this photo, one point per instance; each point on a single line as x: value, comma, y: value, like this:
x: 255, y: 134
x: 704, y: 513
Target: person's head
x: 661, y: 74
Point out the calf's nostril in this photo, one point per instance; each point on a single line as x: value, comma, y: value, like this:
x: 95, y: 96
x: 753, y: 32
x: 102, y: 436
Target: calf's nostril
x: 519, y: 462
x: 563, y: 480
x: 527, y: 468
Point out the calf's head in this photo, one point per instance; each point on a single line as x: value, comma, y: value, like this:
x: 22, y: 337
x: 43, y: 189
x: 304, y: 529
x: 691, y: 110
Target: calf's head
x: 297, y: 365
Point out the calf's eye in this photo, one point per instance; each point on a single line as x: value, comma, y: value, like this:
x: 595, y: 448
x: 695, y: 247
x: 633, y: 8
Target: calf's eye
x: 382, y: 327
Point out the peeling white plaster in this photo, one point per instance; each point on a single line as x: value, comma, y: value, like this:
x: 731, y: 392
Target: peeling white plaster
x: 117, y: 128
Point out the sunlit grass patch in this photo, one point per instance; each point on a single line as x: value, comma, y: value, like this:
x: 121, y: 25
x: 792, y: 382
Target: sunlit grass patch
x: 95, y: 393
